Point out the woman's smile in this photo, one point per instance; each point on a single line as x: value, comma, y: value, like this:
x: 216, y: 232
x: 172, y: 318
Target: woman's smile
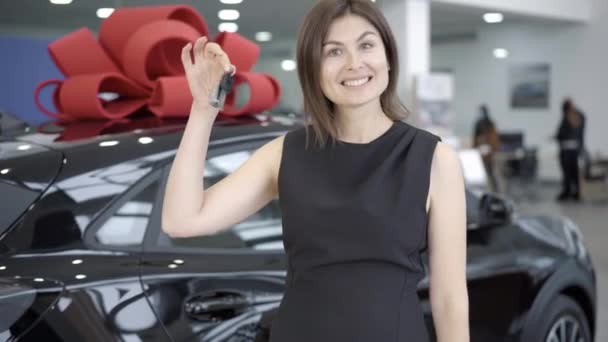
x: 356, y: 83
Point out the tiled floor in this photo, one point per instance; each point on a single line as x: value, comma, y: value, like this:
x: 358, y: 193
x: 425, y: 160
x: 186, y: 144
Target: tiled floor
x: 592, y: 217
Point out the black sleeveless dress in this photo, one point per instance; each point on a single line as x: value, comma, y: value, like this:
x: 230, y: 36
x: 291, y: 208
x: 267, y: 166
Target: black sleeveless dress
x: 354, y: 228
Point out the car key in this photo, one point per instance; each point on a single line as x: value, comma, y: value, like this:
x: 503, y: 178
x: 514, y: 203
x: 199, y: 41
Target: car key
x: 218, y: 97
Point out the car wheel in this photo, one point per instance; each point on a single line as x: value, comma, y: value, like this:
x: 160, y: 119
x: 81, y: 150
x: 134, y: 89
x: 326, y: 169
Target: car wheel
x: 563, y: 321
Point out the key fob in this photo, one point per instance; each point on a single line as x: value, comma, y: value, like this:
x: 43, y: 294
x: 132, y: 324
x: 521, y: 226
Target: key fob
x: 218, y: 97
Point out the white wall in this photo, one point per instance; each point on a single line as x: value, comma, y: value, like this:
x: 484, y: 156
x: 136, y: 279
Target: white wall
x: 578, y: 56
x: 575, y: 10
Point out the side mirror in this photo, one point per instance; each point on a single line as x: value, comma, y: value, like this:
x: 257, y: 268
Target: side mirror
x: 494, y: 210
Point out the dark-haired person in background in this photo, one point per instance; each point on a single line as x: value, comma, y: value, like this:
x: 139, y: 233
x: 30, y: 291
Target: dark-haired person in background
x: 571, y: 138
x: 485, y: 138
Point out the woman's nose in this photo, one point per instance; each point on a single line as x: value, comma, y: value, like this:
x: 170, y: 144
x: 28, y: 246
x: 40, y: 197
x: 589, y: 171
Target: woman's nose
x: 354, y: 61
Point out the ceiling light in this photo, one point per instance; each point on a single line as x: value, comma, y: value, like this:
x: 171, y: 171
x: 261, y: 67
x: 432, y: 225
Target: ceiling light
x: 501, y: 53
x: 228, y: 27
x: 104, y: 12
x: 288, y: 65
x: 24, y: 147
x: 263, y: 36
x: 178, y: 261
x: 231, y: 2
x: 61, y: 2
x: 5, y: 171
x: 228, y: 14
x: 493, y: 18
x: 80, y: 276
x: 2, y: 268
x: 39, y: 280
x: 77, y: 261
x: 172, y: 266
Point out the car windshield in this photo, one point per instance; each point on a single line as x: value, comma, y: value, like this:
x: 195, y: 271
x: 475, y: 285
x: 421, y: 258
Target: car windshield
x: 21, y: 178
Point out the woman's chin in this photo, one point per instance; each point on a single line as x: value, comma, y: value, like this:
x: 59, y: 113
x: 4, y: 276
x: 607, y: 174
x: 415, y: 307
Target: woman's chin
x: 356, y: 102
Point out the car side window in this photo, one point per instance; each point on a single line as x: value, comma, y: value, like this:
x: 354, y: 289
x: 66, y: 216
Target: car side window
x: 260, y: 231
x: 127, y: 224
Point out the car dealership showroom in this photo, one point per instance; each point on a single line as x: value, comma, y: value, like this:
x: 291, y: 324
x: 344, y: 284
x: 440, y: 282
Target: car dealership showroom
x: 151, y: 153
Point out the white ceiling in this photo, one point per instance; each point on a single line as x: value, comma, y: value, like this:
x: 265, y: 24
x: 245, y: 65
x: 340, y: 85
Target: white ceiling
x: 281, y: 17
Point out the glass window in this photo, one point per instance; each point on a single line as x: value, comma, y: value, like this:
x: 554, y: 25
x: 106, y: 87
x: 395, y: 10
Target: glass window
x: 22, y: 180
x: 260, y: 231
x: 20, y: 200
x: 127, y: 226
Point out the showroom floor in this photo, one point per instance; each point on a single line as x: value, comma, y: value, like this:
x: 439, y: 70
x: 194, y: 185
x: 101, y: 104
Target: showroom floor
x: 592, y: 217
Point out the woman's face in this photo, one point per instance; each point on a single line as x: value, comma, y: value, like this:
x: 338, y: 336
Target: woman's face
x: 354, y: 68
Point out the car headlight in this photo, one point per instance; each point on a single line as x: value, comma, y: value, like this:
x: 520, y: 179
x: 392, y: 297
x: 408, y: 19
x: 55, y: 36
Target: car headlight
x: 574, y: 237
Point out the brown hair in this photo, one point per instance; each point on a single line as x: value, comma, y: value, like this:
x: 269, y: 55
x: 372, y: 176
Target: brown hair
x: 318, y: 109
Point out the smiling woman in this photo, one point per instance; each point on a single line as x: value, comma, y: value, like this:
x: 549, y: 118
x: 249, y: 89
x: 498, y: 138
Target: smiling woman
x: 356, y: 213
x: 346, y: 56
x: 354, y: 70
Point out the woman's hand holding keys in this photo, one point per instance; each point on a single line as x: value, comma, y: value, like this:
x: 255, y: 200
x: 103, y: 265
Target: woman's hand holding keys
x: 205, y: 69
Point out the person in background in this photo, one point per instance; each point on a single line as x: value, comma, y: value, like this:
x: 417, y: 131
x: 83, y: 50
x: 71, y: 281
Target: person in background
x: 571, y: 136
x: 485, y: 138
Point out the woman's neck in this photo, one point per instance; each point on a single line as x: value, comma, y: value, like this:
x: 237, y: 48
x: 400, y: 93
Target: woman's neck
x: 363, y: 123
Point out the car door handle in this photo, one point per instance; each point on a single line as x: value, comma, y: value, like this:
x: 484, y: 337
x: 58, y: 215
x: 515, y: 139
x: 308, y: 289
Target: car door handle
x: 210, y: 305
x: 214, y: 303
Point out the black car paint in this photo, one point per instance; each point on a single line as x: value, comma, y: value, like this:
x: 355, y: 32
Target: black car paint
x: 220, y: 294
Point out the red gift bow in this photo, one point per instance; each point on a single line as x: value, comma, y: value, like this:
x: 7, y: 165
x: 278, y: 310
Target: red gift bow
x: 138, y: 58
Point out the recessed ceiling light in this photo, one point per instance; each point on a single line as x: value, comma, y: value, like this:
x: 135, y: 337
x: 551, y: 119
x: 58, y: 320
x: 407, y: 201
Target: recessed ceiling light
x: 24, y: 147
x: 228, y: 14
x: 263, y: 36
x: 39, y: 280
x: 61, y: 2
x: 81, y: 276
x: 77, y: 261
x: 104, y: 12
x: 228, y: 27
x: 231, y: 2
x: 288, y: 65
x: 5, y: 171
x: 501, y: 53
x: 493, y: 18
x: 2, y: 268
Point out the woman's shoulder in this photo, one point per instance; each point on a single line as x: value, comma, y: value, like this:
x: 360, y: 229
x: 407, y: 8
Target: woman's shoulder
x: 297, y: 132
x: 445, y: 162
x: 420, y: 133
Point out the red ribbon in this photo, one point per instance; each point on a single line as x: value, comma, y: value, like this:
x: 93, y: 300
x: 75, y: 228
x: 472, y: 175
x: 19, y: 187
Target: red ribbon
x: 138, y: 58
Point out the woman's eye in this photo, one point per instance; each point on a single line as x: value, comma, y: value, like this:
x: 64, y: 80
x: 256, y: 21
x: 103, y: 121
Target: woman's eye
x: 334, y: 52
x: 367, y: 45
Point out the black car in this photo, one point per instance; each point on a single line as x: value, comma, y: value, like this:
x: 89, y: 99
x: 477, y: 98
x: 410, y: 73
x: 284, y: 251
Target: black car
x: 83, y: 256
